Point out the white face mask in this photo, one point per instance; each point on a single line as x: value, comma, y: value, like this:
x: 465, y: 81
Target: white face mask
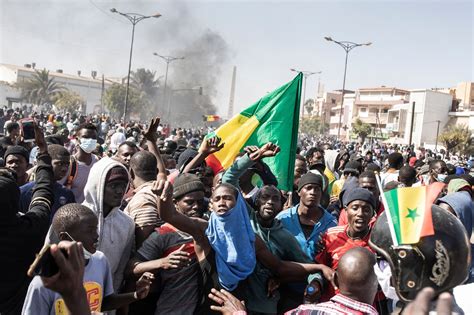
x: 441, y: 177
x: 426, y: 179
x: 88, y: 145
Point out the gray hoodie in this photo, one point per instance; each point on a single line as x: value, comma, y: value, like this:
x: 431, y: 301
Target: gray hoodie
x: 117, y: 230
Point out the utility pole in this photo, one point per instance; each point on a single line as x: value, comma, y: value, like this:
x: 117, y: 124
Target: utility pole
x: 437, y: 134
x: 412, y: 122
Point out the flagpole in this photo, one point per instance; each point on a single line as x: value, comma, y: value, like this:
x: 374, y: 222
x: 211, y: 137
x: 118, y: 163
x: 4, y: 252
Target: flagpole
x: 387, y: 211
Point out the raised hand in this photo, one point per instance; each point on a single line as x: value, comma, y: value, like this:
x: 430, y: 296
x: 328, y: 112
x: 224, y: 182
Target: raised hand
x: 162, y: 189
x: 269, y: 150
x: 150, y: 134
x: 211, y: 145
x: 39, y: 139
x: 143, y: 285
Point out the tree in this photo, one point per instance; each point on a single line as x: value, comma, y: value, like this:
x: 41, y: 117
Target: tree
x: 40, y: 89
x: 309, y: 106
x: 361, y: 129
x: 114, y: 100
x: 457, y: 138
x: 311, y: 125
x: 144, y: 81
x: 69, y: 101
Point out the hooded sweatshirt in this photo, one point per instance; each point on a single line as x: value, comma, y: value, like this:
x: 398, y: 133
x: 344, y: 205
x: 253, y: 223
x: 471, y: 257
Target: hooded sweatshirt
x: 116, y: 230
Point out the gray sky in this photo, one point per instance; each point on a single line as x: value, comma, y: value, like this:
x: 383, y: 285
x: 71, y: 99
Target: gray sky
x: 416, y: 44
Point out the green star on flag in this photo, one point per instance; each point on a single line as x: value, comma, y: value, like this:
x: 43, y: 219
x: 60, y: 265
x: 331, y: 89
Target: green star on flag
x: 412, y: 214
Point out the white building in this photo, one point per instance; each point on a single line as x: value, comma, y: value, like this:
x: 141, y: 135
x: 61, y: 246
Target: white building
x: 431, y: 109
x: 90, y: 88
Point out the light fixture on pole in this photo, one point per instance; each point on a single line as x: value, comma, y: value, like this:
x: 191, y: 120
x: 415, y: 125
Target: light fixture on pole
x: 134, y: 18
x: 168, y: 60
x: 306, y: 74
x: 347, y: 46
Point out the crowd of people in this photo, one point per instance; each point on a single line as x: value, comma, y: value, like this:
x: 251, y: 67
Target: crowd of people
x: 136, y: 222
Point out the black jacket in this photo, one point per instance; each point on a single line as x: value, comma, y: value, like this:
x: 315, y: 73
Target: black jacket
x: 21, y: 237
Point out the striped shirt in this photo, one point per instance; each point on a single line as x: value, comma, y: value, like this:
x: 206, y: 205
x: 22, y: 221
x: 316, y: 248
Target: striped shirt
x: 338, y: 305
x: 143, y: 207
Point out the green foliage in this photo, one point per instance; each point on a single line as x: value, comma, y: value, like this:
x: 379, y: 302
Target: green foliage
x: 40, y: 89
x: 312, y: 126
x: 114, y: 100
x: 361, y: 129
x: 69, y: 101
x: 457, y: 138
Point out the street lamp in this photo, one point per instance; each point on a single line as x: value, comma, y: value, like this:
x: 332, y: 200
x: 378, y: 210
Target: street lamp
x: 306, y: 74
x: 347, y: 46
x: 134, y: 18
x: 168, y: 60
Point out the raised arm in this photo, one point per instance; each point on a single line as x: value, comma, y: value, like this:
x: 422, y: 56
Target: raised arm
x: 167, y: 211
x: 208, y: 147
x: 151, y: 137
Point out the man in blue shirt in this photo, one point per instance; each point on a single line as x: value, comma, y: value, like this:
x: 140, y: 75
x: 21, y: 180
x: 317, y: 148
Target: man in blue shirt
x: 60, y: 160
x: 308, y: 220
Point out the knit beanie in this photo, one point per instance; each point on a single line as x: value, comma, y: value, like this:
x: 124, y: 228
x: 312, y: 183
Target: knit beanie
x: 186, y: 183
x: 310, y: 178
x: 18, y: 150
x: 117, y: 173
x: 358, y: 194
x: 185, y: 157
x: 352, y: 167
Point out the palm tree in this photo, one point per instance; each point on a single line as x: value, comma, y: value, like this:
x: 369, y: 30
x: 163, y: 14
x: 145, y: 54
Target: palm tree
x: 40, y: 89
x: 457, y: 138
x: 144, y: 80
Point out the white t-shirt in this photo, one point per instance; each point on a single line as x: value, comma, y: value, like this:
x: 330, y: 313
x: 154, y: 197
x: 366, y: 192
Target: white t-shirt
x: 97, y: 282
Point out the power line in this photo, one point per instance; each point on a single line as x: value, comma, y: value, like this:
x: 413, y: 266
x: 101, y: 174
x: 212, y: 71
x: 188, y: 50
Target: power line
x: 106, y: 13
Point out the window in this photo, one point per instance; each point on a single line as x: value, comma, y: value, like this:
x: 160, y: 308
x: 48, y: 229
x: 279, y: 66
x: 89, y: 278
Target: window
x: 333, y: 101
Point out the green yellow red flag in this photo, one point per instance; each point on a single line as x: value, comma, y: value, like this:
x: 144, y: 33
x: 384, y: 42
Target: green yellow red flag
x: 409, y: 209
x: 273, y: 118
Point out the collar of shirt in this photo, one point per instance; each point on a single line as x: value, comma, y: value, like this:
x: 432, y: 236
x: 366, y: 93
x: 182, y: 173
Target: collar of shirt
x: 353, y: 304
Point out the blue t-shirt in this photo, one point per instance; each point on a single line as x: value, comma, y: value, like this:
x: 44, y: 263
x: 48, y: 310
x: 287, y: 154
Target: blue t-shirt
x: 290, y: 220
x: 62, y: 196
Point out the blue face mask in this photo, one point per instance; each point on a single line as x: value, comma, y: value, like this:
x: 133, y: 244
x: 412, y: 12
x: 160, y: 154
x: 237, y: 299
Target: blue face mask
x: 441, y: 177
x: 88, y: 145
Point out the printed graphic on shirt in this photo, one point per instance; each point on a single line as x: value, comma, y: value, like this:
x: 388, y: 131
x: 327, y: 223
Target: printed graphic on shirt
x: 94, y: 297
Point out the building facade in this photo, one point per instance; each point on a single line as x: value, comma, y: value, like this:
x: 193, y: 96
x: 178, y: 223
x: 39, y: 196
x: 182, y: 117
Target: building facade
x: 90, y: 88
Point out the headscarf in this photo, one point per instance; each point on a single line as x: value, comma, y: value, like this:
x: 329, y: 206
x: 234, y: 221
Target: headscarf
x: 233, y: 241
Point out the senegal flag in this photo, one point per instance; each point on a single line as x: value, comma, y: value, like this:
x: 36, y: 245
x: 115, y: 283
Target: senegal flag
x: 274, y: 118
x: 410, y: 212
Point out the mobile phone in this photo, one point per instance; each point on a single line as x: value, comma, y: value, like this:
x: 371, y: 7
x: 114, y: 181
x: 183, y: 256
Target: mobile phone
x: 44, y: 264
x: 28, y: 130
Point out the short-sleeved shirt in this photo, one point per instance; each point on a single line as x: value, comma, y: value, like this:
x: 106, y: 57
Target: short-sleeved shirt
x: 180, y: 289
x: 62, y: 196
x: 291, y: 222
x: 97, y: 282
x: 142, y: 207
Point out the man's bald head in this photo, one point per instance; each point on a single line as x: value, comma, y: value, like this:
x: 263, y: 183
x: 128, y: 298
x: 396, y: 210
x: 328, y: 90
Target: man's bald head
x: 355, y: 275
x: 144, y: 165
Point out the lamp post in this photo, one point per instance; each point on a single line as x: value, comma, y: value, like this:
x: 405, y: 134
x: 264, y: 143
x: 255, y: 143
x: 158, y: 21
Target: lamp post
x: 347, y: 46
x: 306, y: 74
x: 134, y: 18
x: 168, y: 60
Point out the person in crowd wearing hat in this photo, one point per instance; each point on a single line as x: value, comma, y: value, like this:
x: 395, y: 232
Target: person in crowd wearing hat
x: 142, y: 206
x: 23, y: 235
x: 307, y: 220
x: 170, y: 252
x: 350, y: 169
x: 17, y: 159
x: 60, y: 160
x: 395, y: 163
x: 82, y: 161
x: 107, y: 183
x: 125, y: 152
x: 423, y: 176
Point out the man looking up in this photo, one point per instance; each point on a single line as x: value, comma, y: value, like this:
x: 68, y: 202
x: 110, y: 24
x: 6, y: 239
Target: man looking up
x: 82, y: 161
